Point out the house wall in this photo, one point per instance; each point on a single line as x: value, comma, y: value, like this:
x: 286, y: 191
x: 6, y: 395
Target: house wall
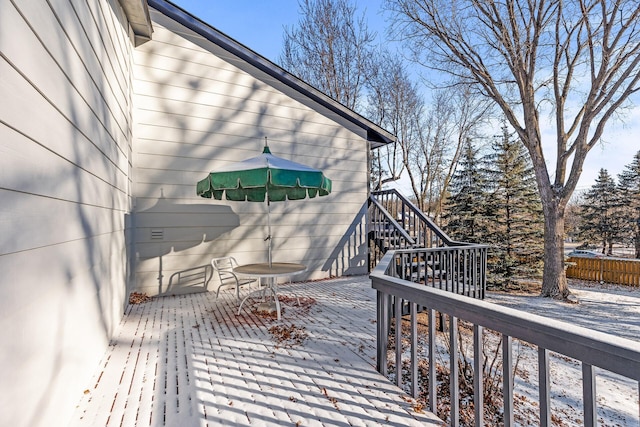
x: 198, y: 108
x: 65, y: 144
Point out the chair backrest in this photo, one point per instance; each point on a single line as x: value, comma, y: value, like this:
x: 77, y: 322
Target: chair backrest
x: 224, y: 267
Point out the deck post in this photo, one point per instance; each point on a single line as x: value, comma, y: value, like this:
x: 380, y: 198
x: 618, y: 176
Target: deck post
x: 397, y: 305
x: 589, y: 395
x: 507, y: 379
x: 454, y: 387
x: 414, y: 349
x: 543, y: 381
x: 433, y: 382
x: 382, y: 331
x: 478, y: 376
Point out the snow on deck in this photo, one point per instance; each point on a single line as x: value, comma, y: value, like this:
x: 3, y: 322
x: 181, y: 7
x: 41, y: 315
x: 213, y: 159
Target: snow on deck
x: 189, y: 360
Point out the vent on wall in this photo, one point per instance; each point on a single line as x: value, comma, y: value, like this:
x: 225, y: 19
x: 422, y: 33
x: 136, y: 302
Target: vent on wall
x: 157, y: 233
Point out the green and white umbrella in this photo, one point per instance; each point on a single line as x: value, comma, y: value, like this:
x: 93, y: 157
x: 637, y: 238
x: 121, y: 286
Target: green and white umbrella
x: 265, y: 178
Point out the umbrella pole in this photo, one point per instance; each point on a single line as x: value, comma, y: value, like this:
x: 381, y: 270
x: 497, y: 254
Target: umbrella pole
x: 269, y: 229
x: 268, y: 211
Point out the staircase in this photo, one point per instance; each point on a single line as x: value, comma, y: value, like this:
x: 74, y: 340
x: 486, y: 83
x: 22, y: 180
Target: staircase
x: 424, y: 253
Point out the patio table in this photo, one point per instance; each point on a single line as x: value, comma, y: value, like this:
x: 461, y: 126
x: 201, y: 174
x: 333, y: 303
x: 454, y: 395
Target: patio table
x: 270, y: 272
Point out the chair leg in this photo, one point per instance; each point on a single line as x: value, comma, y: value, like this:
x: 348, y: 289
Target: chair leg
x: 242, y: 303
x: 295, y: 295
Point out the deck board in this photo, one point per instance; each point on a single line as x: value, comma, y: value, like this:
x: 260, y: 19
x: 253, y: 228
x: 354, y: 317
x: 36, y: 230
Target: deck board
x: 189, y: 360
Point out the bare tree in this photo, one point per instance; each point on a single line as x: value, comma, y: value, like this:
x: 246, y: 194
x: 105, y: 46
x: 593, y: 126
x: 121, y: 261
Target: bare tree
x: 432, y: 156
x: 395, y: 104
x: 454, y: 116
x: 577, y: 60
x: 330, y: 49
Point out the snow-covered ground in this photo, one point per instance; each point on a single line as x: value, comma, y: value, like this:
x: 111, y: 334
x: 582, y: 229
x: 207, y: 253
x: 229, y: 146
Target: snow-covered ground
x: 606, y: 308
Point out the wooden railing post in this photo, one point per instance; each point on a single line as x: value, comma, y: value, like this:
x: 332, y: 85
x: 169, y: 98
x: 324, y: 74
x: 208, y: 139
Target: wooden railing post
x: 397, y: 305
x: 543, y: 387
x: 589, y: 395
x: 433, y: 382
x: 382, y: 338
x: 478, y: 376
x: 454, y: 387
x: 414, y: 349
x: 507, y: 379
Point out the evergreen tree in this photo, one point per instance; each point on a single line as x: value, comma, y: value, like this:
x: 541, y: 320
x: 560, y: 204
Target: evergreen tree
x: 515, y: 213
x: 600, y: 213
x: 465, y: 214
x: 629, y: 193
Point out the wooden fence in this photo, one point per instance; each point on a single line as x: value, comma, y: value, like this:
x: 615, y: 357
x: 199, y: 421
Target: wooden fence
x: 609, y: 270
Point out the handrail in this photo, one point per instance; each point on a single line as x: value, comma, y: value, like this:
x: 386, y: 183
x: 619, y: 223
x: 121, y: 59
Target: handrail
x: 384, y: 232
x: 592, y: 348
x: 389, y: 218
x: 419, y: 214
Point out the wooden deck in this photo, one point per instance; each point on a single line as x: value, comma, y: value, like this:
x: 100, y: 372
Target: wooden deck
x: 189, y: 361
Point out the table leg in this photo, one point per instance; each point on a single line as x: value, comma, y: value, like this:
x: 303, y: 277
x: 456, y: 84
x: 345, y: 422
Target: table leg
x: 270, y: 287
x: 273, y: 287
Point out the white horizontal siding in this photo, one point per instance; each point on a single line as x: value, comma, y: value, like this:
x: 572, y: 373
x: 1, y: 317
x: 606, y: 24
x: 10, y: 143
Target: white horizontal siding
x: 196, y: 111
x: 65, y: 143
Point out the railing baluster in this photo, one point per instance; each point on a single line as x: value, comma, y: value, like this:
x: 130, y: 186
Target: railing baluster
x: 478, y: 377
x: 423, y: 263
x: 471, y: 264
x: 543, y: 381
x: 482, y: 271
x: 414, y: 349
x: 441, y: 265
x: 457, y: 270
x: 454, y: 387
x: 414, y: 266
x: 589, y: 394
x: 433, y: 381
x: 398, y: 316
x: 404, y: 219
x: 383, y: 332
x: 507, y: 379
x: 466, y: 286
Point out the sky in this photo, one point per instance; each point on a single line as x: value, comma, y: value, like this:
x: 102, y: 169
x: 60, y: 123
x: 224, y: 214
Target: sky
x: 259, y: 25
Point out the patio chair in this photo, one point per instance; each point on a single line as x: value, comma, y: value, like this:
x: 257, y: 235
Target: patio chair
x: 224, y: 269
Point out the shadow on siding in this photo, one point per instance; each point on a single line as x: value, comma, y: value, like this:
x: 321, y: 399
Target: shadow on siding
x: 349, y: 257
x: 169, y: 227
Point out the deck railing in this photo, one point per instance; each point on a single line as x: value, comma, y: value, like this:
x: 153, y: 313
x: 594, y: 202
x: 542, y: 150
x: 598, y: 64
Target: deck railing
x: 591, y: 348
x: 385, y: 233
x: 396, y: 223
x: 458, y: 269
x: 419, y: 226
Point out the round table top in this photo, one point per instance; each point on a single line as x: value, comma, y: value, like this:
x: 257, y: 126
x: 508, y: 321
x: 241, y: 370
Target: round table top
x: 276, y: 269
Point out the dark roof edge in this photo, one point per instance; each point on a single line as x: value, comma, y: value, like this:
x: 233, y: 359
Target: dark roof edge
x: 375, y: 133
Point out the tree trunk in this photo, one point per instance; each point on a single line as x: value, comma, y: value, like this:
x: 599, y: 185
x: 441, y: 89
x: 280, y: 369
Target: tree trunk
x: 554, y: 279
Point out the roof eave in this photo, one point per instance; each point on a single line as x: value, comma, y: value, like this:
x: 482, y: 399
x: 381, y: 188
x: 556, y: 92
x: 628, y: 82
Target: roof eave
x: 137, y: 12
